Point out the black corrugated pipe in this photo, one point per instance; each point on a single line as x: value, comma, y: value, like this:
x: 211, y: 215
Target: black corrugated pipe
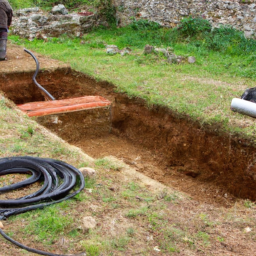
x: 45, y: 92
x: 59, y: 178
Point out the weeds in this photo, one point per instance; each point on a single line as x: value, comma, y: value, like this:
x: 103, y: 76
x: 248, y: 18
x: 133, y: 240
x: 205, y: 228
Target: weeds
x: 194, y: 27
x: 133, y: 213
x: 130, y: 232
x: 120, y: 243
x: 48, y: 225
x: 91, y: 249
x: 142, y: 24
x: 204, y: 237
x: 106, y: 164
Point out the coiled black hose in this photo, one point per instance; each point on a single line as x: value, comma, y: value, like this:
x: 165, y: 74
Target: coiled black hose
x: 59, y: 179
x: 34, y: 76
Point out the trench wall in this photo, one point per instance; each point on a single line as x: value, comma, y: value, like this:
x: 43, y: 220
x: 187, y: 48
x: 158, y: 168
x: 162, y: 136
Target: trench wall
x: 224, y: 160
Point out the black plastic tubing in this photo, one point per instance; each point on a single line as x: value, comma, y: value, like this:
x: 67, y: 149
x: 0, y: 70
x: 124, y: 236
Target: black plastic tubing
x: 34, y: 76
x: 59, y: 182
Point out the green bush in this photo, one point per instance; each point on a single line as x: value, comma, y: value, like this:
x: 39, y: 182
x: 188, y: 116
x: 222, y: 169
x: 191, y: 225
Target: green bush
x: 194, y: 26
x: 144, y: 25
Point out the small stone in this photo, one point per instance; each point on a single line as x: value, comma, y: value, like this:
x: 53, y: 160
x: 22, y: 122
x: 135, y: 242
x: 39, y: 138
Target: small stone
x: 125, y: 51
x: 191, y: 59
x: 1, y: 225
x: 172, y: 59
x: 112, y: 49
x: 247, y: 28
x: 180, y: 59
x: 35, y: 17
x: 41, y: 36
x: 88, y: 172
x: 148, y: 49
x: 163, y: 51
x: 150, y: 238
x: 142, y: 14
x: 89, y: 222
x: 157, y: 249
x: 247, y: 230
x: 59, y: 9
x: 248, y: 34
x: 90, y: 190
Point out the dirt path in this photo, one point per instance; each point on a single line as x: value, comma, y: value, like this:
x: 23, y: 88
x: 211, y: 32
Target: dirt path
x: 20, y: 61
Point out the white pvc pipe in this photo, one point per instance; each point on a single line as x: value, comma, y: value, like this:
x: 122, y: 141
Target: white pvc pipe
x: 244, y: 107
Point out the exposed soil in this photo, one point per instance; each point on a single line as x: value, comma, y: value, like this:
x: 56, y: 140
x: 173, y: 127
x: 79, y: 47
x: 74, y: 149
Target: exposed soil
x: 20, y: 61
x: 210, y: 167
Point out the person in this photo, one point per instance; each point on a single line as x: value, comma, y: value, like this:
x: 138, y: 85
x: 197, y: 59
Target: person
x: 6, y: 14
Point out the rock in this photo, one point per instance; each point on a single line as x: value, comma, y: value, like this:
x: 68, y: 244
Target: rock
x: 35, y: 17
x: 247, y: 230
x: 88, y: 172
x: 125, y: 51
x: 112, y: 49
x: 89, y: 223
x: 248, y: 34
x: 172, y: 59
x: 191, y: 59
x: 41, y: 36
x: 1, y: 225
x: 142, y: 14
x: 180, y: 59
x: 59, y: 9
x: 163, y: 51
x: 157, y: 249
x: 148, y: 49
x: 24, y: 12
x: 247, y: 27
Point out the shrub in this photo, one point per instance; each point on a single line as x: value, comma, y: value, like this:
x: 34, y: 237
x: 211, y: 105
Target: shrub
x: 194, y: 26
x: 144, y: 25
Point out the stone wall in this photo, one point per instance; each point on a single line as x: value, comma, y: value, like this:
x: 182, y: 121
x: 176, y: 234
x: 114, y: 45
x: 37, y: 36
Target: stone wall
x: 33, y: 22
x: 238, y: 14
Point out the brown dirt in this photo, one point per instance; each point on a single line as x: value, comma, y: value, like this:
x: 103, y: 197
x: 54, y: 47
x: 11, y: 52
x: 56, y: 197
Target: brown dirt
x: 210, y: 167
x: 20, y: 61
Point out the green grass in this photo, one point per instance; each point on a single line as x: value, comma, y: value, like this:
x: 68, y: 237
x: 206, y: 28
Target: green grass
x: 47, y: 224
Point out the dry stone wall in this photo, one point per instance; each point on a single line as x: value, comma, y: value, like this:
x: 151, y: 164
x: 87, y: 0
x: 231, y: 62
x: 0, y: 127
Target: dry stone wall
x: 34, y: 23
x: 240, y: 14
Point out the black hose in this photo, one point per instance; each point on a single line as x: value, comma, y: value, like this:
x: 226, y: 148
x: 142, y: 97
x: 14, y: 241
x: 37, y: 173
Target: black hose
x: 34, y: 76
x: 59, y: 179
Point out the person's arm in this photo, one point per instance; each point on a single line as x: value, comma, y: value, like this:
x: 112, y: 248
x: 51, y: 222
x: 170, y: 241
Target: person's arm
x: 9, y: 16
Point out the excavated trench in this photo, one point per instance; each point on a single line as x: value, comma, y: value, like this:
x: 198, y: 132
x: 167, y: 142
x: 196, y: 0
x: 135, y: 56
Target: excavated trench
x: 211, y: 168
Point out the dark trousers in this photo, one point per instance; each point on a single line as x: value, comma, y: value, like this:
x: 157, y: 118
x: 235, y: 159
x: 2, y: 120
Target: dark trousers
x: 3, y: 43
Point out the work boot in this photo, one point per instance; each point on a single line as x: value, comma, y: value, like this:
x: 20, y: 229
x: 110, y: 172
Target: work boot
x: 3, y: 45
